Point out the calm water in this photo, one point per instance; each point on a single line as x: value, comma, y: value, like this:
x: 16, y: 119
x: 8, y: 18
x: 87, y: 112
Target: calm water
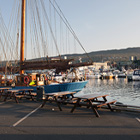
x: 118, y: 89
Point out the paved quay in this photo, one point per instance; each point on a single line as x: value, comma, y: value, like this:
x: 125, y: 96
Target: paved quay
x: 27, y: 120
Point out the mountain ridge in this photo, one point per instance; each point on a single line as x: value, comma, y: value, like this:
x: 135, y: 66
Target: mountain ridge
x: 116, y: 54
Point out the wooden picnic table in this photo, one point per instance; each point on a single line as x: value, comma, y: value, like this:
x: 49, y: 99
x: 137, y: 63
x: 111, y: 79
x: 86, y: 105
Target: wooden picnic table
x: 27, y: 92
x: 12, y: 94
x: 58, y: 98
x: 93, y: 101
x: 3, y: 89
x: 18, y: 93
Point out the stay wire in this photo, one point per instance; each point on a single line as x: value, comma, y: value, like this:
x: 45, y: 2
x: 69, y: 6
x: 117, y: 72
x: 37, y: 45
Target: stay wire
x: 69, y: 27
x: 50, y: 28
x: 35, y: 31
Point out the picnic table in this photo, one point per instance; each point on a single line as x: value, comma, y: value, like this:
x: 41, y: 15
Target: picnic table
x: 92, y: 101
x: 3, y: 89
x: 18, y: 93
x: 58, y: 98
x: 27, y: 92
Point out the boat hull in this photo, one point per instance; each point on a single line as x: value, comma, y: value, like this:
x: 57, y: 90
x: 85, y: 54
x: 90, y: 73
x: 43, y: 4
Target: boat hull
x: 136, y: 77
x: 73, y: 86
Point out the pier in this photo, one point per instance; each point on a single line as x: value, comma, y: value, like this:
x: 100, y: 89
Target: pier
x: 27, y: 120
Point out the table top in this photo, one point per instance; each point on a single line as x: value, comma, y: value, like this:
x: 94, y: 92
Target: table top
x: 12, y: 90
x: 5, y: 88
x: 91, y: 96
x: 25, y: 89
x: 60, y: 93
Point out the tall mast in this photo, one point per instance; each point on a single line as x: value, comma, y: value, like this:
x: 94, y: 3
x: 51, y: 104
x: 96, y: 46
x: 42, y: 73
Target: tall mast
x: 22, y: 34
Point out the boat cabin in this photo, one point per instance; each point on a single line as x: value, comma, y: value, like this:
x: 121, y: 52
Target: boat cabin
x: 33, y: 79
x: 136, y: 72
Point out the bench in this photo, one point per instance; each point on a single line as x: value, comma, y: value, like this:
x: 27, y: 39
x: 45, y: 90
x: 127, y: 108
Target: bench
x: 58, y: 98
x: 92, y: 101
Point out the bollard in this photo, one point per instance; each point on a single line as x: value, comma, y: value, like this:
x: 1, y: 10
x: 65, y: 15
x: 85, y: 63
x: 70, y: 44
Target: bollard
x: 40, y: 93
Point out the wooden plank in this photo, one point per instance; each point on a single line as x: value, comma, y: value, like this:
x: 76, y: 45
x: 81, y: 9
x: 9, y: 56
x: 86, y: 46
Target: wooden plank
x: 12, y: 91
x: 5, y: 88
x: 91, y: 96
x: 106, y: 103
x: 19, y: 96
x: 59, y: 93
x: 25, y: 89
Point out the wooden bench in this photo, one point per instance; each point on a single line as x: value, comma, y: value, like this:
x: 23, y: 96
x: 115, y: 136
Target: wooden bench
x: 106, y: 103
x: 11, y: 94
x: 27, y: 93
x: 2, y: 91
x: 92, y: 101
x: 58, y: 98
x: 19, y: 94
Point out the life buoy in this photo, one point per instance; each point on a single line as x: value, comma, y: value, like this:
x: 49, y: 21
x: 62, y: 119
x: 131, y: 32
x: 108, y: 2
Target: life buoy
x: 26, y: 80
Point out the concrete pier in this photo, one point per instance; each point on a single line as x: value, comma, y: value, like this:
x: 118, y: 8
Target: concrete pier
x: 27, y: 120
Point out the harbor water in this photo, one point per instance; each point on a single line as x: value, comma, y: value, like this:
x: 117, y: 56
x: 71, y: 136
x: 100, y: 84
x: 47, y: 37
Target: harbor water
x: 117, y: 89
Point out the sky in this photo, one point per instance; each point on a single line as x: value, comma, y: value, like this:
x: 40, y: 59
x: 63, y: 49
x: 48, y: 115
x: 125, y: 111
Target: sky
x: 99, y: 24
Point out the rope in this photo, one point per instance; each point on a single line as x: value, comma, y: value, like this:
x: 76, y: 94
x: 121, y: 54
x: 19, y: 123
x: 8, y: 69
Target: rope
x: 34, y: 26
x: 50, y: 28
x: 69, y: 27
x: 40, y: 25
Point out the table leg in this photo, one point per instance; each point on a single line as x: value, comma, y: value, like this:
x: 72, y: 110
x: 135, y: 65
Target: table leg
x: 14, y: 95
x: 30, y: 94
x: 23, y: 93
x: 77, y: 103
x: 58, y: 103
x: 6, y: 95
x: 105, y: 99
x: 72, y: 95
x: 44, y: 102
x: 94, y: 109
x: 109, y: 106
x: 1, y: 93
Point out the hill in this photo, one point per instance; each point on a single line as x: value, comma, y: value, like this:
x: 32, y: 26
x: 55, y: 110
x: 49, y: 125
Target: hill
x: 107, y: 55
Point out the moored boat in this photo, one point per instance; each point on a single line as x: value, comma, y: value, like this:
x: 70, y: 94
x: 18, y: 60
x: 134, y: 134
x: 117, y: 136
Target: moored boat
x: 121, y: 74
x: 136, y: 75
x: 55, y: 87
x: 129, y: 74
x: 58, y: 63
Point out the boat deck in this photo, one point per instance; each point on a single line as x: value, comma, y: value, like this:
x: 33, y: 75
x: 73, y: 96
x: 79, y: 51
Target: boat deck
x: 27, y: 120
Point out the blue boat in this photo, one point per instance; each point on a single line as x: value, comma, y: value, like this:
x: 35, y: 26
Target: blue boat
x: 73, y: 87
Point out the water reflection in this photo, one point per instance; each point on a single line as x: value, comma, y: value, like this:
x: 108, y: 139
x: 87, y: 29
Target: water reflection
x: 118, y: 89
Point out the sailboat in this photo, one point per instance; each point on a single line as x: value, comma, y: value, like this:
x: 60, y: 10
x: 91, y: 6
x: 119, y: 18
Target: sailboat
x: 58, y: 63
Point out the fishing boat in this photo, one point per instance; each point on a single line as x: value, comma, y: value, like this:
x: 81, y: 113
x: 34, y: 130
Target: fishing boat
x: 58, y: 63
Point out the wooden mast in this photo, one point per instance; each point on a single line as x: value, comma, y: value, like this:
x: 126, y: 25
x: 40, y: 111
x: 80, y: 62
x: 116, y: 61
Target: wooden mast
x: 22, y: 35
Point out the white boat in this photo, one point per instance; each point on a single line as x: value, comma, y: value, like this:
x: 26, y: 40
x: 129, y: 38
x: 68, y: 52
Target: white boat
x: 129, y: 74
x: 122, y: 75
x: 109, y: 75
x: 136, y: 75
x: 93, y: 76
x: 116, y: 73
x: 74, y: 75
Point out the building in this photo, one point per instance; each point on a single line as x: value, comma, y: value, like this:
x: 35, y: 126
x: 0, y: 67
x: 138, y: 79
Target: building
x: 100, y: 66
x: 132, y: 58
